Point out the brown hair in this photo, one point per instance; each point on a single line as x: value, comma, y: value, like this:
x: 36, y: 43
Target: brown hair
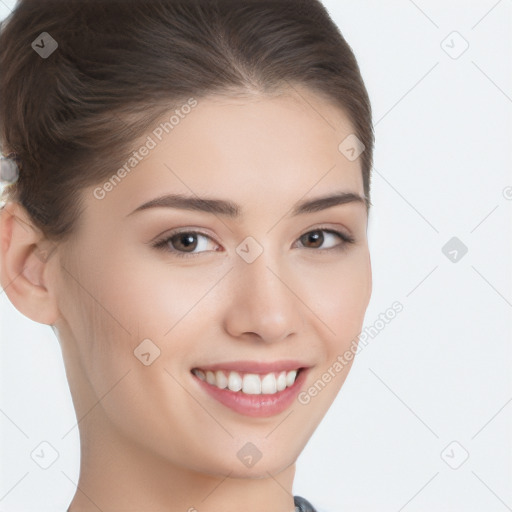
x: 72, y: 117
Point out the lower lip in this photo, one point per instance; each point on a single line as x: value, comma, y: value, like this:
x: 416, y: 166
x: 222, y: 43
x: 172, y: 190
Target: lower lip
x: 258, y: 406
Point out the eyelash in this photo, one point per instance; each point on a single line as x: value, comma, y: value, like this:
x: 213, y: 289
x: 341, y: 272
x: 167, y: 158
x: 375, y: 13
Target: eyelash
x: 163, y: 244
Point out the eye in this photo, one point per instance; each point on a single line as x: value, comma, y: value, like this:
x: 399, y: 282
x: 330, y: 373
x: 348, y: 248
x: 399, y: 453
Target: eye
x: 330, y: 237
x: 189, y: 243
x: 184, y: 243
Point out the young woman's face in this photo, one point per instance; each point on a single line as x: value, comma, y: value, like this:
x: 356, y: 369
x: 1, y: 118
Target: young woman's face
x: 259, y: 285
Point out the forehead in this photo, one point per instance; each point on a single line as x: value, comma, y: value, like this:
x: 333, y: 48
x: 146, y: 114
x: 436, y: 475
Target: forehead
x: 254, y: 150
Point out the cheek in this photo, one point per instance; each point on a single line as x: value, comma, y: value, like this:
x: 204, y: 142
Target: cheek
x: 340, y: 299
x: 339, y: 293
x: 149, y: 294
x: 127, y: 303
x: 102, y: 310
x: 107, y: 323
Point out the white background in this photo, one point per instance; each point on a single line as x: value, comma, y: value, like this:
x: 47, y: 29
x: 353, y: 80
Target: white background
x: 441, y: 370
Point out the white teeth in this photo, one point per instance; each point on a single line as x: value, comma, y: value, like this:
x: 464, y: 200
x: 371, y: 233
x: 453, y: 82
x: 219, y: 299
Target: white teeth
x: 290, y: 377
x: 249, y: 383
x: 281, y: 381
x: 222, y: 380
x: 268, y: 384
x: 234, y: 381
x: 252, y: 384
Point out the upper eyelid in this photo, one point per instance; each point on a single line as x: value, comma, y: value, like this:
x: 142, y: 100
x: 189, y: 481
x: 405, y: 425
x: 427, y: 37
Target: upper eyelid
x: 205, y: 231
x: 170, y: 233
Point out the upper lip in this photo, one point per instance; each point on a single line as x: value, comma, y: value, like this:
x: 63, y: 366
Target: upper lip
x: 254, y: 366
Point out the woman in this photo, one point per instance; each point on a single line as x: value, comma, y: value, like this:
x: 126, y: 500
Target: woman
x: 186, y: 205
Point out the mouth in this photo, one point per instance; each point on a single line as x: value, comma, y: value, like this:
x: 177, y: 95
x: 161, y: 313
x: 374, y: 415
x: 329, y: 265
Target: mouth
x: 249, y: 383
x: 257, y: 390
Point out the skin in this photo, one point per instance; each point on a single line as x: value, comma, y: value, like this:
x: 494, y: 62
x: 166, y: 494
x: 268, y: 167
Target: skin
x: 151, y: 439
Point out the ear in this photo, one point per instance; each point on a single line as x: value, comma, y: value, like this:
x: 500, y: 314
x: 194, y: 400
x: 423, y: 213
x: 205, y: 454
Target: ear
x: 25, y: 257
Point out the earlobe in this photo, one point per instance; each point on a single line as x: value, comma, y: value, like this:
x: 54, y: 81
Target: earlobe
x: 24, y: 261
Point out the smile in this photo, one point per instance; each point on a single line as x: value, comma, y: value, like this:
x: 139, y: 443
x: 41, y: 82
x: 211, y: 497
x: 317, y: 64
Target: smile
x: 248, y: 383
x: 252, y: 388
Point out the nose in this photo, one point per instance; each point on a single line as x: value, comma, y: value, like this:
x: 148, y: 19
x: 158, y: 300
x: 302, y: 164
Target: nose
x: 263, y: 305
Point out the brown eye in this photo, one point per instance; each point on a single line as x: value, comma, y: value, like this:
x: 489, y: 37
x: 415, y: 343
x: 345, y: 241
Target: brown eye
x: 186, y: 242
x: 325, y: 239
x: 315, y: 238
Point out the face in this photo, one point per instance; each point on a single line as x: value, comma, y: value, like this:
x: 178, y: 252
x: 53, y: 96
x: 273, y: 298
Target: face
x: 152, y: 301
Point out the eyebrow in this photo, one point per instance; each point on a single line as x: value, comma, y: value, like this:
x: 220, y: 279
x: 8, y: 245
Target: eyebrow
x: 233, y: 210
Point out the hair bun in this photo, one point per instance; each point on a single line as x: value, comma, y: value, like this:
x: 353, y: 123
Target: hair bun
x: 9, y: 170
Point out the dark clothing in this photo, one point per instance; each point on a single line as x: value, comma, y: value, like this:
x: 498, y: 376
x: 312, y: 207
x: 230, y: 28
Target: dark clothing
x: 302, y: 505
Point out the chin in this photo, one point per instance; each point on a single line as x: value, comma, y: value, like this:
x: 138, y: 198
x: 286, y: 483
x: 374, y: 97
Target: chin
x: 273, y: 465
